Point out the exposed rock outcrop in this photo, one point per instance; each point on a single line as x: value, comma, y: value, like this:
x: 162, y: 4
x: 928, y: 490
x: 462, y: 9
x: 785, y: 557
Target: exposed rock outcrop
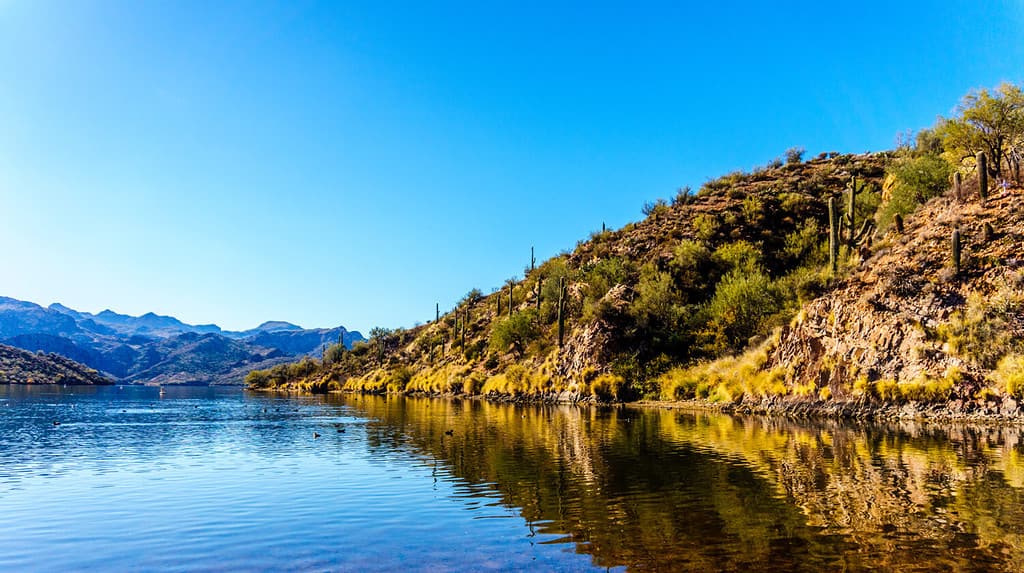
x: 885, y: 321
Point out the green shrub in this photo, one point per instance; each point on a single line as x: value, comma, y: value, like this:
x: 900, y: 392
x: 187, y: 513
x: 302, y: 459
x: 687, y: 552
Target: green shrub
x: 334, y: 353
x: 794, y: 155
x: 738, y: 256
x: 706, y: 226
x: 915, y: 180
x: 742, y: 303
x: 656, y: 301
x: 515, y: 332
x: 692, y: 269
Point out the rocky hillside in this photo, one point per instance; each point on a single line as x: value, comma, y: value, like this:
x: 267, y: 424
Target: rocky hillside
x: 695, y: 279
x: 21, y: 367
x: 905, y: 324
x: 849, y: 282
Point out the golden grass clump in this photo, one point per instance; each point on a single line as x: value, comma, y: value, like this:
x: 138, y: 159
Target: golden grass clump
x: 726, y: 379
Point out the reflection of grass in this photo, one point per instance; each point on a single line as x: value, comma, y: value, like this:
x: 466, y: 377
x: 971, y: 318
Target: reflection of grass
x: 638, y: 483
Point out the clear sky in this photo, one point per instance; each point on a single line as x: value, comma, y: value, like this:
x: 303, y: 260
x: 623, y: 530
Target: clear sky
x: 354, y: 162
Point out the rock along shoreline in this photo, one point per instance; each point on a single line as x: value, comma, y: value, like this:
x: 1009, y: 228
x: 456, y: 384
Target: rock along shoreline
x: 1006, y: 412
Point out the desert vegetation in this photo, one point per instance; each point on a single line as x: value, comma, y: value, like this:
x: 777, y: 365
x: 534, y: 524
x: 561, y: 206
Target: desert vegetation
x: 690, y: 301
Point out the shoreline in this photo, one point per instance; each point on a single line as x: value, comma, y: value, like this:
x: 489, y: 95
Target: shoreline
x: 845, y: 410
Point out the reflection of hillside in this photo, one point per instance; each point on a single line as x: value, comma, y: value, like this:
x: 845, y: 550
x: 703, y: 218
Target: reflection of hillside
x: 670, y: 490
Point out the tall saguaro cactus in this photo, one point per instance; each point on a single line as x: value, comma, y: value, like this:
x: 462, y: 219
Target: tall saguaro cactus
x: 958, y: 186
x: 956, y: 252
x: 982, y: 175
x: 533, y: 260
x: 455, y: 327
x: 561, y: 311
x: 437, y: 312
x: 851, y: 212
x: 833, y: 235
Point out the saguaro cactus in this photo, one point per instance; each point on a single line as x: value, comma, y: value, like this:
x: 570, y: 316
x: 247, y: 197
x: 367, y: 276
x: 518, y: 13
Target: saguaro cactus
x: 833, y: 235
x: 898, y: 221
x: 510, y: 305
x: 465, y: 321
x: 455, y: 327
x: 533, y: 260
x: 561, y: 311
x: 982, y: 175
x: 958, y: 186
x: 851, y: 211
x: 540, y: 284
x: 437, y: 312
x: 956, y: 252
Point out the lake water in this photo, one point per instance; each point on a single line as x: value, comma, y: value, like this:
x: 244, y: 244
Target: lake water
x: 220, y: 479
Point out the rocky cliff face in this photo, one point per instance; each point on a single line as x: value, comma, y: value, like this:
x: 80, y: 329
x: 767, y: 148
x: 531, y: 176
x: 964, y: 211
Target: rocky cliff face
x: 905, y: 315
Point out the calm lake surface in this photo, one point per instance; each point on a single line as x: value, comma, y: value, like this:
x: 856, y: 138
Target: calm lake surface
x: 221, y: 479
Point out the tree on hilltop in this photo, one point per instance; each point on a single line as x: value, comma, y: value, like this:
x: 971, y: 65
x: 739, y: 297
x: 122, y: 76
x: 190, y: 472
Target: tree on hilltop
x: 992, y: 122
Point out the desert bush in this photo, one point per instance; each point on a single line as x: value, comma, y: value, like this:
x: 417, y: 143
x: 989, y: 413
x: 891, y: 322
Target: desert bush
x: 915, y: 180
x: 1009, y: 374
x: 742, y: 303
x: 515, y: 332
x: 983, y: 331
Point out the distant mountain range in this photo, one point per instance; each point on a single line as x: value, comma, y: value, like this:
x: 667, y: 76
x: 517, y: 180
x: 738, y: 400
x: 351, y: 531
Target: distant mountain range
x: 155, y: 349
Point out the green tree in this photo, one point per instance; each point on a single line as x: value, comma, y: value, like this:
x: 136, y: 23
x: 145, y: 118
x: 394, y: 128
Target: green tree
x: 515, y: 332
x: 992, y: 122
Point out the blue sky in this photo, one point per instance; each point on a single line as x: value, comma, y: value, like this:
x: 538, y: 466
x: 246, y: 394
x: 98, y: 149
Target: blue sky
x: 352, y: 163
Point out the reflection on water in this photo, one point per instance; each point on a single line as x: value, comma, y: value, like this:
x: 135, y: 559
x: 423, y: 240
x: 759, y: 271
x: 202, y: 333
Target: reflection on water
x: 220, y: 479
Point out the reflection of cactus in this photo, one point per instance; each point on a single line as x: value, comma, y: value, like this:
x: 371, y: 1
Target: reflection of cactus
x: 561, y: 311
x: 833, y: 235
x: 982, y: 175
x: 898, y: 220
x: 956, y: 252
x: 958, y: 186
